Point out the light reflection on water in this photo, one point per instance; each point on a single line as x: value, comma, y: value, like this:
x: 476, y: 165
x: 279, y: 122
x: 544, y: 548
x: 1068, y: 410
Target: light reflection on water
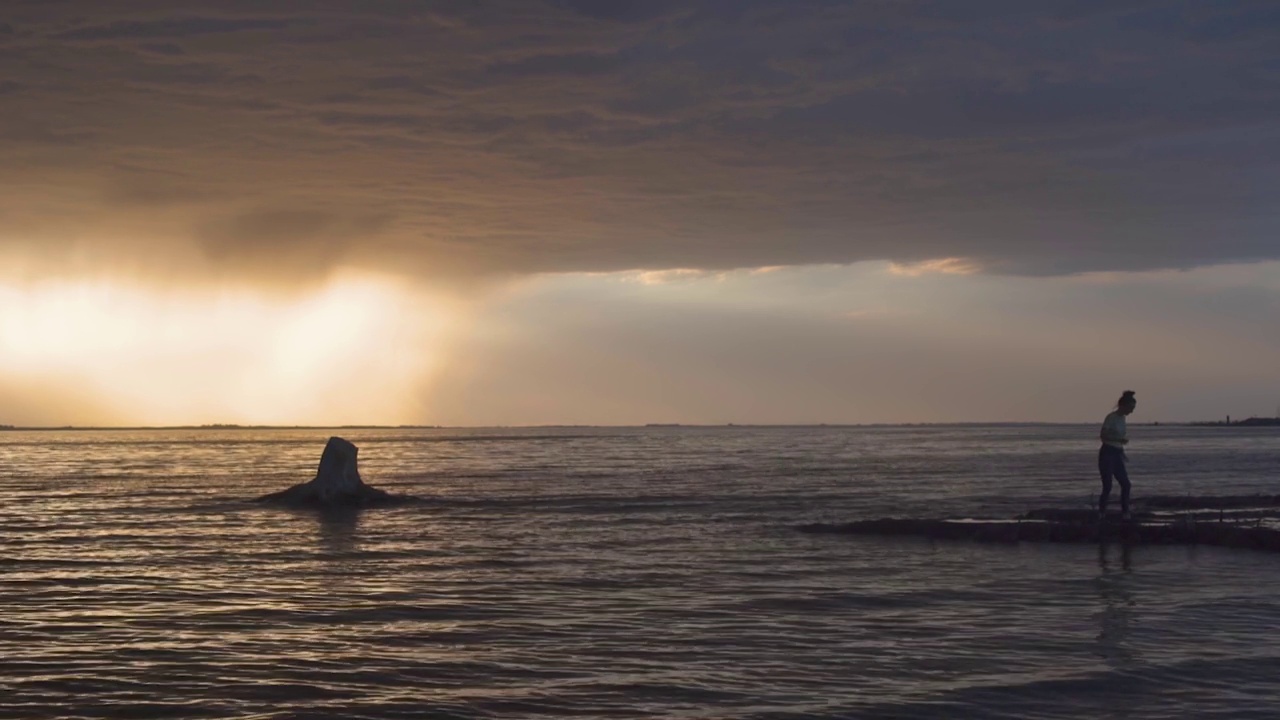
x: 617, y: 573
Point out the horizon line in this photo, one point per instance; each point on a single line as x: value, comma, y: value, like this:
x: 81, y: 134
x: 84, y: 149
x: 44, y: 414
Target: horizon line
x: 237, y: 426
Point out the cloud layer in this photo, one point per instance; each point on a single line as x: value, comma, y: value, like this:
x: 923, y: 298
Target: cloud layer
x: 282, y: 140
x: 858, y: 343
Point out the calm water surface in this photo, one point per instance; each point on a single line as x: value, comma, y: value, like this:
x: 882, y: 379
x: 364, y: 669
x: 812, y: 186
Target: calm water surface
x: 619, y: 573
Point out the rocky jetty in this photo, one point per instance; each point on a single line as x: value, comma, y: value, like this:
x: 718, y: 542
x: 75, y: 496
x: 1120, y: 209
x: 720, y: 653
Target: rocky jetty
x: 1211, y: 502
x: 337, y: 483
x: 1254, y: 525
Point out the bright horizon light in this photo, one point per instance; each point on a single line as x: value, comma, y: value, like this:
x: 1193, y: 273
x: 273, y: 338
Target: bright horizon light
x: 794, y: 345
x: 355, y: 348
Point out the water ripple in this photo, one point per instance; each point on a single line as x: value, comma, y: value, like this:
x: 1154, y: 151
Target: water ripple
x: 614, y: 573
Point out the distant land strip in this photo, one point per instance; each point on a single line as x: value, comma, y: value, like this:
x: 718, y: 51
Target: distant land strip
x: 1248, y: 422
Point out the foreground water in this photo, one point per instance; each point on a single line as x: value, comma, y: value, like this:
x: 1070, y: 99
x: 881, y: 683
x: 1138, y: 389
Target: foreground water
x: 619, y: 573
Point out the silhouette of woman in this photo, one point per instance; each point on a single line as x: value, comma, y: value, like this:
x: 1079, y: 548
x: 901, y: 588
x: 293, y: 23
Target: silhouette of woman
x: 1111, y: 457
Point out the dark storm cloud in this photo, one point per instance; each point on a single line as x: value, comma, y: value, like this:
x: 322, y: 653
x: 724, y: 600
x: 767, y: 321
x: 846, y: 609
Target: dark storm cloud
x: 517, y: 136
x: 305, y: 240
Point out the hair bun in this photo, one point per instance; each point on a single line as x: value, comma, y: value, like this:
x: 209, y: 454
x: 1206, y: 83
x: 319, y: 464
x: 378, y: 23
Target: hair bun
x: 1127, y: 394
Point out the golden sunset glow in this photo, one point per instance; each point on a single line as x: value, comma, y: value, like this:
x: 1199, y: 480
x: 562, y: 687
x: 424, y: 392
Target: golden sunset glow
x: 356, y: 347
x: 941, y: 266
x: 593, y: 212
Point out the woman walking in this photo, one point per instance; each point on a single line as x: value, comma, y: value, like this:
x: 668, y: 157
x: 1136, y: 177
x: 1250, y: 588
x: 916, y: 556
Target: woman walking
x: 1111, y: 455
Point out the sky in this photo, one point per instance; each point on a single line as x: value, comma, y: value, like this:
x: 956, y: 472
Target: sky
x: 514, y: 212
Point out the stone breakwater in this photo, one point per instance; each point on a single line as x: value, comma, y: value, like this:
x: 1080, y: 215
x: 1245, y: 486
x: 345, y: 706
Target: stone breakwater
x: 1232, y: 521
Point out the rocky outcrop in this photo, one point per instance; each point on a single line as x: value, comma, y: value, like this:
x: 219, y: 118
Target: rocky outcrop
x: 1071, y: 526
x: 1210, y: 502
x: 337, y: 483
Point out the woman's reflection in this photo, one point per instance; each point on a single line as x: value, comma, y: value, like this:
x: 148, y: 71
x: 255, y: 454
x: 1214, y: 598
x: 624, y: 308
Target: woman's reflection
x: 1118, y: 604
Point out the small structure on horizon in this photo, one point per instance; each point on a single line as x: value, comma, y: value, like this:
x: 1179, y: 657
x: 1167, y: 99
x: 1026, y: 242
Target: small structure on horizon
x: 337, y: 483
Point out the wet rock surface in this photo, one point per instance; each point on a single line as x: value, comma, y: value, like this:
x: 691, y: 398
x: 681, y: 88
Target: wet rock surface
x: 1206, y: 523
x: 337, y: 483
x: 1211, y: 502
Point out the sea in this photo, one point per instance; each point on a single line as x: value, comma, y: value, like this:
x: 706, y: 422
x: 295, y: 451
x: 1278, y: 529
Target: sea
x: 642, y: 572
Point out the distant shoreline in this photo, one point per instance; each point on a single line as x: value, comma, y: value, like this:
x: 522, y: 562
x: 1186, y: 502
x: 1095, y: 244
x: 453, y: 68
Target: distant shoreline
x: 1248, y: 422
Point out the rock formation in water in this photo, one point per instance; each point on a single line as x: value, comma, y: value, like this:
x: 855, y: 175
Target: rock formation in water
x: 337, y: 483
x: 1211, y: 502
x: 1206, y: 522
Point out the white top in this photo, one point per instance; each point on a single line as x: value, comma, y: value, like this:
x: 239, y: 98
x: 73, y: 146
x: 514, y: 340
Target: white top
x: 1114, y: 430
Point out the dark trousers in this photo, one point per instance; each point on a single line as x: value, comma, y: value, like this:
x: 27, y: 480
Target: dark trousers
x: 1111, y: 464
